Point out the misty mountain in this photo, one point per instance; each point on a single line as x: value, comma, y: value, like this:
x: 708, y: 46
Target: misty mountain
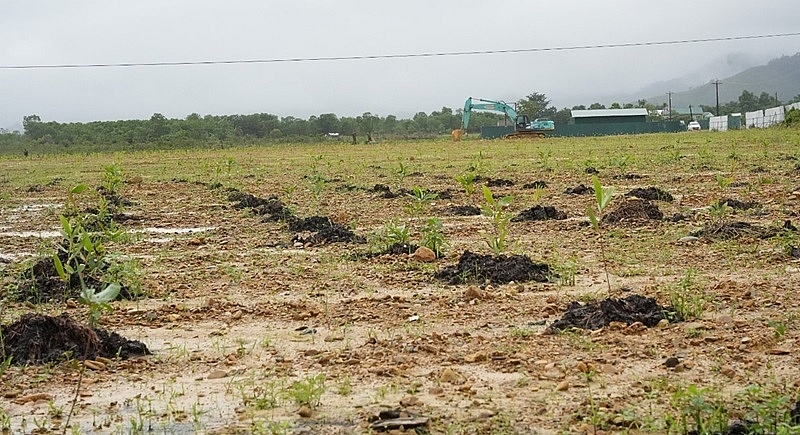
x: 781, y: 76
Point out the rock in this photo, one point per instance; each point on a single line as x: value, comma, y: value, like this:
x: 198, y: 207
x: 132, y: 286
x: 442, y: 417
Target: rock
x: 332, y: 338
x: 410, y: 401
x: 779, y: 351
x: 94, y: 365
x: 104, y: 360
x: 450, y: 376
x: 672, y: 362
x: 305, y: 411
x: 681, y: 368
x: 473, y: 293
x: 217, y: 374
x: 476, y: 357
x: 562, y: 386
x: 663, y: 323
x: 236, y: 315
x: 424, y: 255
x: 436, y: 391
x: 728, y: 371
x: 688, y: 239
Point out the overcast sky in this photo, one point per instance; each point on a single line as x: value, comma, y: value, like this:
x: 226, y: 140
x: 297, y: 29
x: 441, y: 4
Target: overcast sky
x: 34, y: 32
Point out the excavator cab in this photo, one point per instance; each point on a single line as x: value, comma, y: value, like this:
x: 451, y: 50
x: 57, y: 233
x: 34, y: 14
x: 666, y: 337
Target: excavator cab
x: 522, y: 122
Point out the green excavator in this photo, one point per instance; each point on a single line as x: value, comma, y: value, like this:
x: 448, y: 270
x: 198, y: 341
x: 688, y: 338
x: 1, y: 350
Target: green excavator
x: 523, y: 127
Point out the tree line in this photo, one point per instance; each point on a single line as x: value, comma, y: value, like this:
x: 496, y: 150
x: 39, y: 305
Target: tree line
x: 221, y: 129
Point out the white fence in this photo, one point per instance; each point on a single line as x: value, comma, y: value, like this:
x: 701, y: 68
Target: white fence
x: 768, y: 117
x: 718, y: 123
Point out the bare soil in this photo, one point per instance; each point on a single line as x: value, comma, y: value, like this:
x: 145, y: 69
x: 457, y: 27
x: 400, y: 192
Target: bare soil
x: 243, y: 322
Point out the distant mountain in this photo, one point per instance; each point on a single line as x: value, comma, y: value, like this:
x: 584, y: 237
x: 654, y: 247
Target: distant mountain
x: 781, y: 76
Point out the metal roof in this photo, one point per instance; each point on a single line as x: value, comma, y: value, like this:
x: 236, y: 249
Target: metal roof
x: 608, y: 112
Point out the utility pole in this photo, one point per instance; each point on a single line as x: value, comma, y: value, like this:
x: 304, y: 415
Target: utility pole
x: 716, y: 84
x: 669, y: 114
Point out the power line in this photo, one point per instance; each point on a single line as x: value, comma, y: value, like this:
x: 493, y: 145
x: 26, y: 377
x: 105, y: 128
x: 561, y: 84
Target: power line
x: 398, y: 56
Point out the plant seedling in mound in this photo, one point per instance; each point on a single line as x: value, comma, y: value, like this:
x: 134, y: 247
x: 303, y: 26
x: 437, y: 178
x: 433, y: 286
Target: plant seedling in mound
x: 602, y: 199
x: 499, y: 269
x: 419, y: 199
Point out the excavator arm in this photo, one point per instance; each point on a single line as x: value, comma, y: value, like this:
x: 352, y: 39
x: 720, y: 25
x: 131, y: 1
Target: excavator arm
x: 485, y: 105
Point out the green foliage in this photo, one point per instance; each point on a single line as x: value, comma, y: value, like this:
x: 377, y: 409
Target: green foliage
x: 98, y: 302
x: 602, y: 197
x: 307, y: 391
x: 722, y: 181
x: 433, y: 237
x: 699, y: 410
x: 467, y: 182
x: 719, y: 211
x: 112, y: 178
x: 792, y: 118
x: 419, y: 199
x: 496, y: 209
x: 687, y: 298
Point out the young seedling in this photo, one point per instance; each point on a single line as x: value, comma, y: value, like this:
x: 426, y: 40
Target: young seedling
x: 602, y: 199
x: 419, y: 199
x: 467, y: 182
x: 496, y: 209
x: 433, y: 238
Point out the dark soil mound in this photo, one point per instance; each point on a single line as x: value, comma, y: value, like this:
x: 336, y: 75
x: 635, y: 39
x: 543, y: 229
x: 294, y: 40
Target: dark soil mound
x: 464, y: 210
x: 539, y: 213
x: 499, y: 182
x: 538, y: 184
x: 650, y: 193
x: 271, y: 208
x: 325, y: 231
x: 580, y: 190
x: 500, y: 269
x: 739, y: 205
x: 735, y: 230
x: 385, y: 192
x: 633, y: 210
x: 591, y: 170
x: 39, y: 339
x: 628, y: 310
x: 628, y: 177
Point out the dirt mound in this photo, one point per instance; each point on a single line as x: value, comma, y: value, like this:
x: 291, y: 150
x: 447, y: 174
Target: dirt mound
x: 580, y: 190
x: 464, y: 210
x: 39, y: 339
x: 628, y: 310
x: 591, y: 170
x: 325, y: 231
x: 538, y: 184
x: 633, y: 210
x: 499, y: 269
x: 650, y: 193
x: 539, y: 213
x: 736, y: 229
x: 739, y: 205
x: 385, y: 191
x: 271, y: 208
x: 628, y: 177
x: 499, y: 182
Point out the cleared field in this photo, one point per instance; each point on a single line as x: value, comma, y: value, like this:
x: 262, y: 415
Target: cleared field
x: 258, y: 328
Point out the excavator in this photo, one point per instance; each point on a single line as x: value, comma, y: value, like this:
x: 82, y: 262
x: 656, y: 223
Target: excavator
x: 523, y: 127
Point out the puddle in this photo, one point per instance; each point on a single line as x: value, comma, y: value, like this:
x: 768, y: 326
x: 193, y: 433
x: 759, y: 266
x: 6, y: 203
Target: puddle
x: 35, y: 207
x: 15, y: 257
x: 26, y: 234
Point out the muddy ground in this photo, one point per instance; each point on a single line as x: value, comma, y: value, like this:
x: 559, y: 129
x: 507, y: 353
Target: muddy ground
x: 258, y: 325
